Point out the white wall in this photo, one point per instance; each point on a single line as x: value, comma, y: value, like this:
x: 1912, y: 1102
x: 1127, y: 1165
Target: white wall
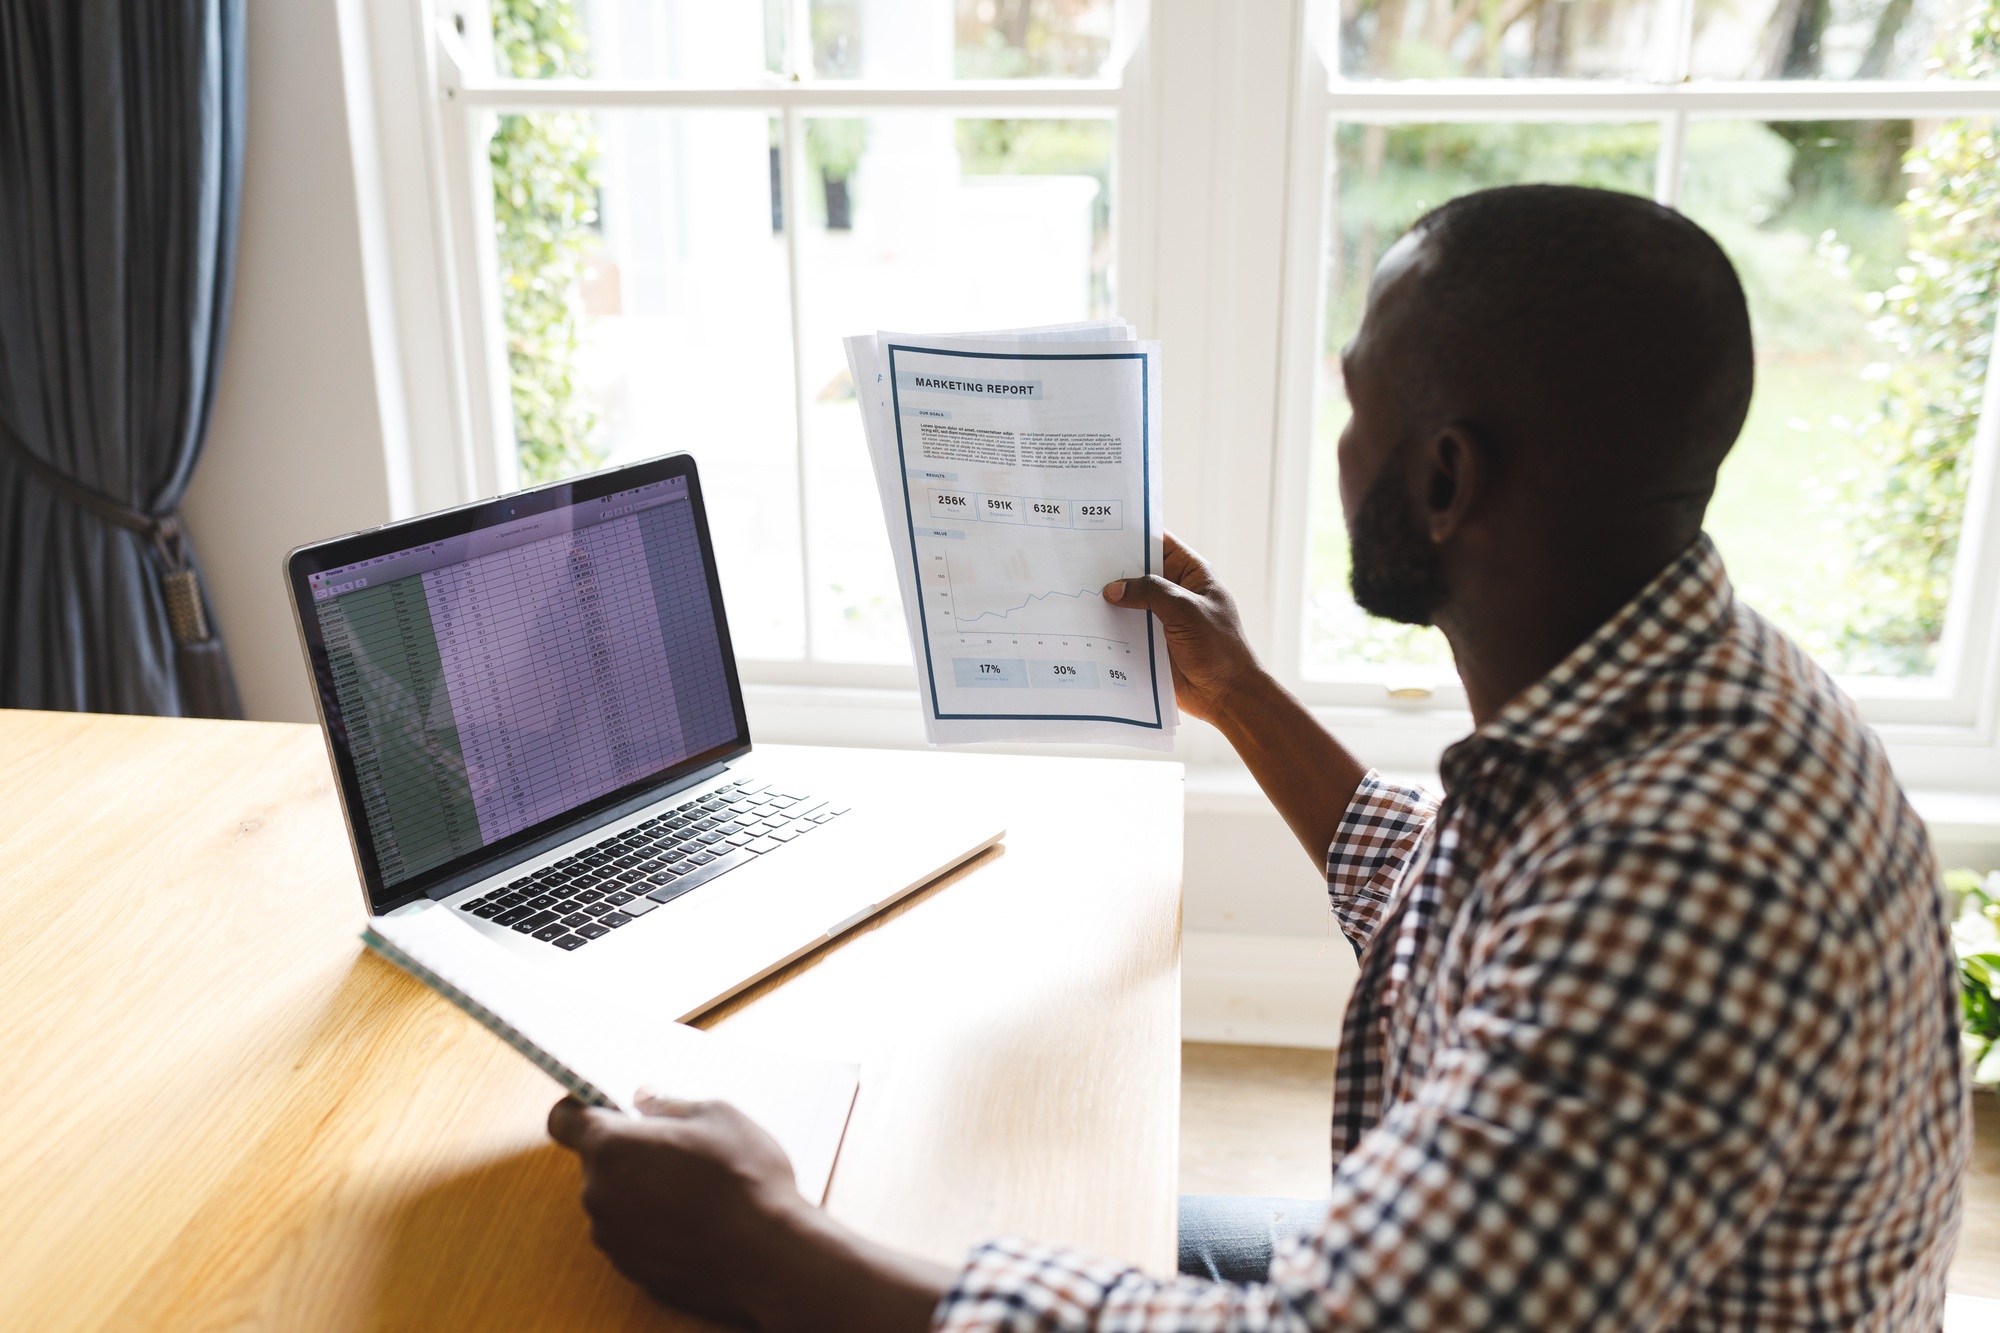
x: 296, y: 451
x: 1261, y: 959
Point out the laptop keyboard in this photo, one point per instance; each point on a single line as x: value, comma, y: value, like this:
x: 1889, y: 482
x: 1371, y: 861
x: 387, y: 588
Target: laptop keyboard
x: 587, y: 895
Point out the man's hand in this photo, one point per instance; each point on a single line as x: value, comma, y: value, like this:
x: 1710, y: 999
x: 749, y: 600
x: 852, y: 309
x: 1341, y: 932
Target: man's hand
x: 685, y: 1201
x: 1211, y: 658
x: 1309, y: 776
x: 696, y: 1203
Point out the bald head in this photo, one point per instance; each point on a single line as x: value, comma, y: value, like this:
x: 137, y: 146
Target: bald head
x: 1547, y: 377
x: 1598, y: 340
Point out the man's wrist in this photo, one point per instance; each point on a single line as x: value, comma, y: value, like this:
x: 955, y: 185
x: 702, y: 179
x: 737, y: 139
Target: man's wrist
x: 1247, y: 698
x: 823, y: 1278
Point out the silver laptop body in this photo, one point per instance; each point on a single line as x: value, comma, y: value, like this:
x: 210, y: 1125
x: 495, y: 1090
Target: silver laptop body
x: 535, y: 718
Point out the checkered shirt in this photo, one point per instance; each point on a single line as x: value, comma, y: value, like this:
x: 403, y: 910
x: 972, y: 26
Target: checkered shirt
x: 1656, y: 1024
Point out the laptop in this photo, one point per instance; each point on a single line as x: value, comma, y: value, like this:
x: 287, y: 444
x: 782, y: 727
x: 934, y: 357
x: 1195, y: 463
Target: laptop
x: 536, y: 720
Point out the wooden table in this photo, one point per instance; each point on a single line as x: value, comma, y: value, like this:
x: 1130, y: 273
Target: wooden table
x: 219, y: 1111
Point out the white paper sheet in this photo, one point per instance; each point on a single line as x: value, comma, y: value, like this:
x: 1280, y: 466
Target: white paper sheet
x: 590, y: 1042
x: 1019, y: 473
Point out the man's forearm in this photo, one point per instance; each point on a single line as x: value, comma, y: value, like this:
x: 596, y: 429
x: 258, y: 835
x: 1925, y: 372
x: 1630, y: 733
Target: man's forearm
x: 823, y: 1278
x: 1308, y: 775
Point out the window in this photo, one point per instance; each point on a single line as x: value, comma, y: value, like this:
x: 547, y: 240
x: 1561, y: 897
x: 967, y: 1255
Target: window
x: 692, y: 203
x: 1844, y: 155
x: 663, y: 215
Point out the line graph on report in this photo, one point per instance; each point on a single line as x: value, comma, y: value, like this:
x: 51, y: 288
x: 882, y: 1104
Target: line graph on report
x: 1012, y: 616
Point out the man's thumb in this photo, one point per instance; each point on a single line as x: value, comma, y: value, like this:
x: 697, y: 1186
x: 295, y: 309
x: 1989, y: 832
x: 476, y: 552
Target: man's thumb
x: 1150, y: 593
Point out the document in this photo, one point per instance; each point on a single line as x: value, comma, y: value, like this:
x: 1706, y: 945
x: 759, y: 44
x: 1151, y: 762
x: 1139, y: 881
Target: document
x: 1019, y: 473
x: 597, y: 1048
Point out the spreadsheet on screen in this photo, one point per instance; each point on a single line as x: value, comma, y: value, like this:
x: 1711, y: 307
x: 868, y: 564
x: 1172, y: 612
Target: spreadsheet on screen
x: 493, y: 681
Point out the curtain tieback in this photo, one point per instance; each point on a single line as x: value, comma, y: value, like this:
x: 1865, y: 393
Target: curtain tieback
x: 179, y: 584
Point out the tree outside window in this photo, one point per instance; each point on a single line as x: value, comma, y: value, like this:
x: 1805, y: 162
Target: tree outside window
x: 1870, y: 251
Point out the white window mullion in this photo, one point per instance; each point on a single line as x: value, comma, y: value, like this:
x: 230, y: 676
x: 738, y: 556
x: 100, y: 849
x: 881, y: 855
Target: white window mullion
x: 1671, y: 160
x: 1680, y: 51
x: 469, y: 190
x: 1314, y: 200
x: 791, y: 210
x: 1673, y: 126
x: 798, y: 40
x: 1136, y: 205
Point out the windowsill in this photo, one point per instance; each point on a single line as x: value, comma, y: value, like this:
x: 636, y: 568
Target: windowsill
x: 1960, y: 818
x: 1957, y: 818
x: 802, y: 714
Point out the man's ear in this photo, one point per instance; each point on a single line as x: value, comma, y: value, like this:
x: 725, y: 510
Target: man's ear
x: 1454, y: 475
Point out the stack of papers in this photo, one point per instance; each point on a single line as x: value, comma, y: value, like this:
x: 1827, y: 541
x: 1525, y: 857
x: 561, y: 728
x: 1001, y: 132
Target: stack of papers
x: 1019, y: 473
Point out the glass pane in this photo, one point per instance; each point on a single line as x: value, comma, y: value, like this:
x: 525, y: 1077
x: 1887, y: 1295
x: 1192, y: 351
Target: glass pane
x: 1868, y: 252
x: 1828, y: 39
x: 1541, y: 39
x: 741, y: 41
x: 922, y: 41
x: 644, y: 297
x: 1033, y: 39
x: 638, y: 40
x: 924, y: 223
x: 1384, y: 179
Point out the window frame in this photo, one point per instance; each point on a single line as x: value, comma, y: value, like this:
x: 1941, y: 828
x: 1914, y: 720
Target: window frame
x: 470, y: 93
x: 1223, y: 110
x: 1942, y: 730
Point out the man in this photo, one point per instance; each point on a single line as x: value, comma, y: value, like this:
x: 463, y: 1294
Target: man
x: 1656, y: 1023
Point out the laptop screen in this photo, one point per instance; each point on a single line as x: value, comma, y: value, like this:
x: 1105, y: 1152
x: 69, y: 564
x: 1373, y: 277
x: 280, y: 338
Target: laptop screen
x: 495, y: 681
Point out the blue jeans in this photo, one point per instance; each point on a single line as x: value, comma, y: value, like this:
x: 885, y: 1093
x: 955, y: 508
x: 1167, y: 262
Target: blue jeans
x: 1231, y: 1237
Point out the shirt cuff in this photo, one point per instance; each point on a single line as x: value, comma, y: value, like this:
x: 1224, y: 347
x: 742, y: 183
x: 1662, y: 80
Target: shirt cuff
x: 1012, y: 1285
x: 1382, y: 827
x: 1016, y: 1286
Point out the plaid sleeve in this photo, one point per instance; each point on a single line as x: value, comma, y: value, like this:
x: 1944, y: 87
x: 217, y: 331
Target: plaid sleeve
x: 1648, y: 1036
x: 1383, y: 826
x: 1015, y: 1286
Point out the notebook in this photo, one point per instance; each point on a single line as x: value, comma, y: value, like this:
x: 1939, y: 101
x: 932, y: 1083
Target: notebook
x: 594, y: 1046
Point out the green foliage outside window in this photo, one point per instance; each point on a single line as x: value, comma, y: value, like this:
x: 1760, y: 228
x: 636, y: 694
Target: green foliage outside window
x: 545, y: 186
x: 1976, y: 937
x: 1938, y: 320
x: 836, y: 38
x: 834, y: 146
x: 1031, y: 39
x: 1038, y: 148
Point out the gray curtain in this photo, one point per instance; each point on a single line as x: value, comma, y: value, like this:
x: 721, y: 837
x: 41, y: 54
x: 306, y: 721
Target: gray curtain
x: 121, y: 154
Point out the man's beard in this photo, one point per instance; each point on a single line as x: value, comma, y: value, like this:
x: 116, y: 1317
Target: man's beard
x: 1393, y: 571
